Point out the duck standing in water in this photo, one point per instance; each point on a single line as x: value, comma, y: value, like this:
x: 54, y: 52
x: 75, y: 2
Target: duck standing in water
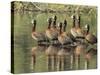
x: 53, y: 27
x: 79, y: 30
x: 62, y: 37
x: 39, y: 37
x: 73, y: 29
x: 92, y: 39
x: 51, y: 33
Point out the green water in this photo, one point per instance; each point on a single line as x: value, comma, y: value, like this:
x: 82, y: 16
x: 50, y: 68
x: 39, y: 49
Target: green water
x: 23, y: 43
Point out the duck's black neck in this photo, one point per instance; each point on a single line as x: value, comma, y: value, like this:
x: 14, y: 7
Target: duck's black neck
x: 34, y: 27
x: 64, y: 29
x: 73, y: 22
x: 88, y: 29
x: 54, y: 23
x: 65, y: 24
x: 79, y: 21
x: 49, y: 25
x: 60, y: 31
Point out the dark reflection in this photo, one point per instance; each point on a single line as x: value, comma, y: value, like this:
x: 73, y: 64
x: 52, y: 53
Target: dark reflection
x: 58, y: 58
x: 35, y: 50
x: 77, y: 62
x: 63, y: 62
x: 51, y: 54
x: 50, y: 57
x: 72, y: 58
x: 90, y: 54
x: 79, y: 52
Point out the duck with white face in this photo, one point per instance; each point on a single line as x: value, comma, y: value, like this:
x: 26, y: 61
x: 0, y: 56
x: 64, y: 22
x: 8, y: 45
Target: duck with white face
x: 54, y: 22
x: 63, y: 38
x: 51, y: 33
x: 39, y: 37
x: 54, y: 25
x: 67, y: 33
x: 79, y: 29
x: 92, y: 39
x: 76, y: 30
x: 73, y: 29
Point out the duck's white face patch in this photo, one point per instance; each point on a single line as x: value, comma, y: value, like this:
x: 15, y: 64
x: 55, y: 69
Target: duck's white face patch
x: 32, y: 21
x: 72, y: 16
x: 86, y: 26
x: 58, y: 24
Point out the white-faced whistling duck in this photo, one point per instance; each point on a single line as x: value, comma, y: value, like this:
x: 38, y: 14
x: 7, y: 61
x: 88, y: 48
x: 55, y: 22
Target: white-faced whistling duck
x: 73, y: 29
x: 68, y: 32
x: 64, y: 27
x: 50, y: 33
x: 92, y: 39
x: 79, y: 30
x: 54, y: 23
x: 62, y: 37
x: 40, y: 37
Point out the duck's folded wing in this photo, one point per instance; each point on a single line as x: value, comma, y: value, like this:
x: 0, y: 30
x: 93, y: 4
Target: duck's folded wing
x: 39, y: 36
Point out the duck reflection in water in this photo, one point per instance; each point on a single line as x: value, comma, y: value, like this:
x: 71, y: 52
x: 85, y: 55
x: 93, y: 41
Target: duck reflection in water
x: 58, y: 58
x: 88, y: 56
x: 64, y: 59
x: 79, y: 51
x: 34, y: 53
x: 51, y: 54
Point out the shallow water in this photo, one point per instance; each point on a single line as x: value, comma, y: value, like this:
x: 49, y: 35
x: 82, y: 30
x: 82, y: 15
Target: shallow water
x: 41, y: 61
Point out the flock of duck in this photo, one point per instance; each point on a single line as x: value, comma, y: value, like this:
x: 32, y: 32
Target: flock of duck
x: 78, y: 38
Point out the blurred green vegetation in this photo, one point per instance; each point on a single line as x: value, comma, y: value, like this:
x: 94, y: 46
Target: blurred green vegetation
x: 24, y: 12
x: 21, y: 6
x: 86, y: 12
